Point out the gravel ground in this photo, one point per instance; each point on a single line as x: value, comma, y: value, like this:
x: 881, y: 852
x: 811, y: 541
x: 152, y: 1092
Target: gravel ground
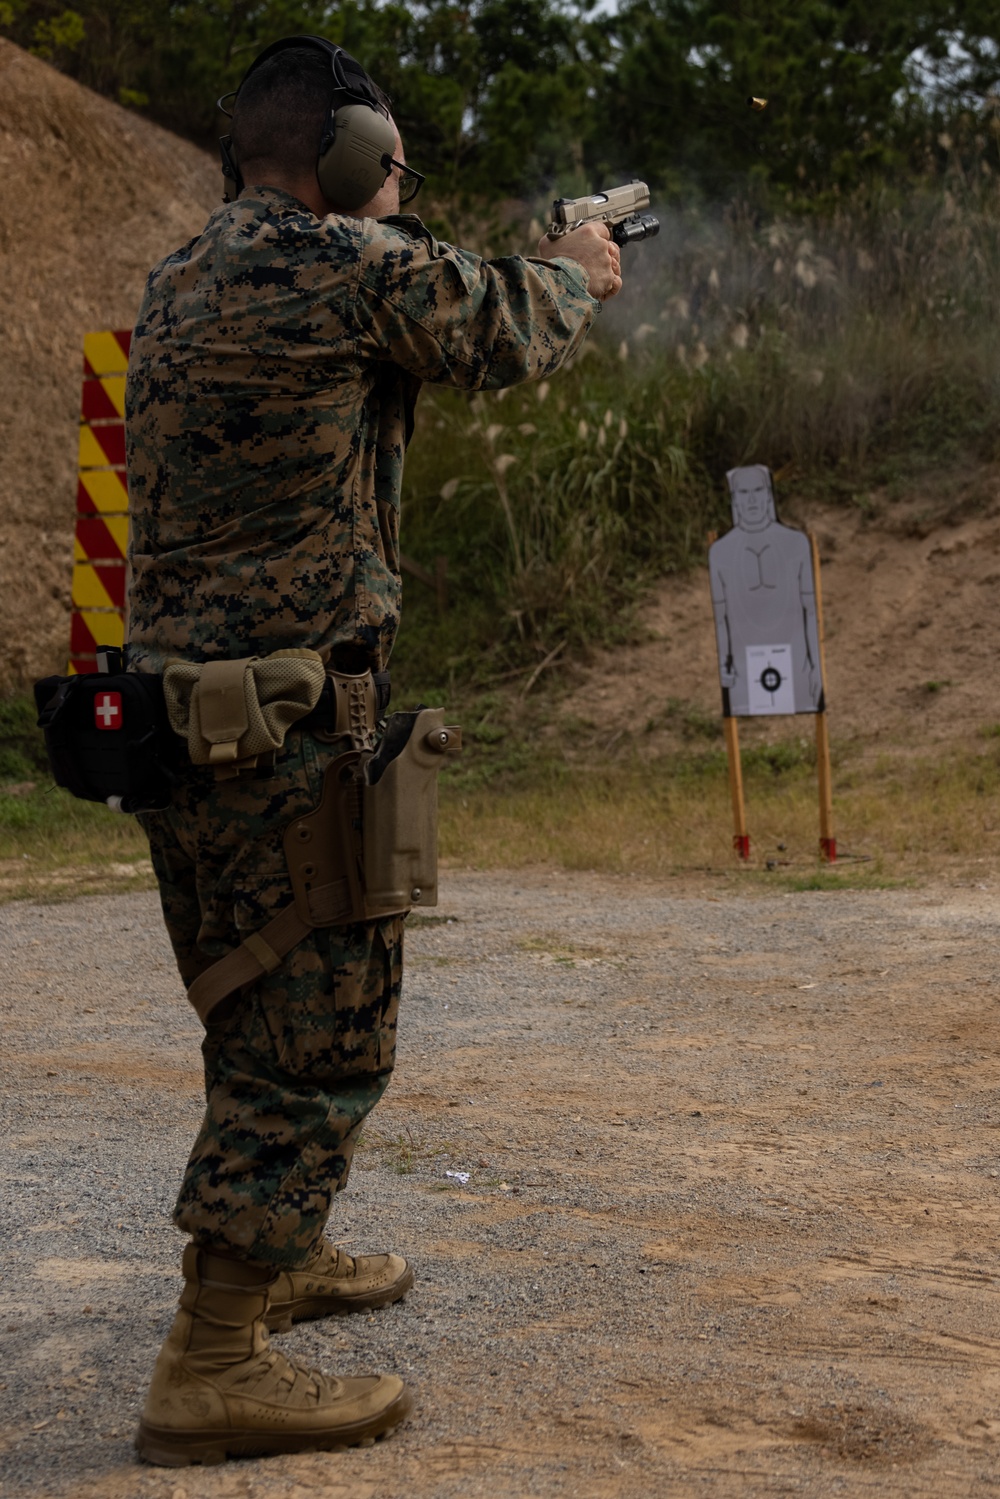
x: 724, y: 1223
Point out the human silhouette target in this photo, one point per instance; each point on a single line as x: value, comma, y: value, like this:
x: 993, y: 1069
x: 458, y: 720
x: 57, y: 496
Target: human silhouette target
x: 764, y: 600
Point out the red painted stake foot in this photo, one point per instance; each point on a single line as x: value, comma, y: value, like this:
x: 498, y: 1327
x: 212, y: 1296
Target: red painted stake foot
x: 741, y: 843
x: 828, y: 848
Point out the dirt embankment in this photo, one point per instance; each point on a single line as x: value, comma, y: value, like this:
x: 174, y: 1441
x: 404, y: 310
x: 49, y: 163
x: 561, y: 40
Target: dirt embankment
x: 92, y: 197
x: 909, y: 594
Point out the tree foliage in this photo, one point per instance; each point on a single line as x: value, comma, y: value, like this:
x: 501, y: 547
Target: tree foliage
x: 845, y: 82
x: 502, y: 97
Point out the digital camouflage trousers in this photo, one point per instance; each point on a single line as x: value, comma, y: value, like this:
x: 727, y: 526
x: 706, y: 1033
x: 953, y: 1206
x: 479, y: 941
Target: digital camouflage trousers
x: 306, y: 1053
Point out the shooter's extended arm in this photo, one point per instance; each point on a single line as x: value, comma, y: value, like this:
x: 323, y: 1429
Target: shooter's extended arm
x: 619, y: 208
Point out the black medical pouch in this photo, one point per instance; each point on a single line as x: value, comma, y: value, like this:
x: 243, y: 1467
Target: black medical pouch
x: 109, y: 739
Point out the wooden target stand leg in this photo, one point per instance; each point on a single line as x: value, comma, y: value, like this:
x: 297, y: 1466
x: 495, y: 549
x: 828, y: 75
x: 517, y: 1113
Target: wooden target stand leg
x: 827, y: 842
x: 741, y: 838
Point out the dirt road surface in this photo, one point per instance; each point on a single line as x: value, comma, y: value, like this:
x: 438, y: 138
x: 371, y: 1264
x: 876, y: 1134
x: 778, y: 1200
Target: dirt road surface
x: 726, y: 1220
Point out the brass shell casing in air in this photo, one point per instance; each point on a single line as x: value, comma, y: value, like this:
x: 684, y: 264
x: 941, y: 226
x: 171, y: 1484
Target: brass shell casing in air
x: 757, y: 105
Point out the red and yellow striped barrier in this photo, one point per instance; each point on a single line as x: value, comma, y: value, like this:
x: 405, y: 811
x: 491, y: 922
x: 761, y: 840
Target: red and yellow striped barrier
x: 101, y: 502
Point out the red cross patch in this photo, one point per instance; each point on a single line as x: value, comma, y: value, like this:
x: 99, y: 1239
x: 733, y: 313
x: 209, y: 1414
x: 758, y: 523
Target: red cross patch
x: 108, y: 710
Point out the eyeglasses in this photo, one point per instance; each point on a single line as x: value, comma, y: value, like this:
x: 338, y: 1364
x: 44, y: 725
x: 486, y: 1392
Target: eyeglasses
x: 410, y: 182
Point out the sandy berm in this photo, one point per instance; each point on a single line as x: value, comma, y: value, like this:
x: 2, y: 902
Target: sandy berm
x: 700, y: 1184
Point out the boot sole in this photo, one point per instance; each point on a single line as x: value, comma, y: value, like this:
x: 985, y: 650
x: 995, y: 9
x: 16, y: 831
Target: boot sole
x: 312, y: 1308
x: 180, y: 1449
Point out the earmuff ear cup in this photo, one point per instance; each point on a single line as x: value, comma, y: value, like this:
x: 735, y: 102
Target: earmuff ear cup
x: 350, y: 169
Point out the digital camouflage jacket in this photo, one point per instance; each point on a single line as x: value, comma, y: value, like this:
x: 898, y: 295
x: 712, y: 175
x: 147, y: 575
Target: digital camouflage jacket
x: 274, y: 370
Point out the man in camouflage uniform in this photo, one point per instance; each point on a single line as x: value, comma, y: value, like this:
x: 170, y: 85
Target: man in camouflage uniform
x: 274, y: 370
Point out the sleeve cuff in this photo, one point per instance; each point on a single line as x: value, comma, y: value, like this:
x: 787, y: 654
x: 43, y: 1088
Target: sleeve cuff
x: 574, y: 271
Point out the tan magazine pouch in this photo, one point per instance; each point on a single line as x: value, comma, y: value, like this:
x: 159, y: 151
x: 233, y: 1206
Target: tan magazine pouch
x: 234, y: 713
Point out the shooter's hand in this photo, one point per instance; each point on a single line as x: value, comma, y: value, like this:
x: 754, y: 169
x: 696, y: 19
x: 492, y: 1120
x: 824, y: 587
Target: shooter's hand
x: 592, y: 247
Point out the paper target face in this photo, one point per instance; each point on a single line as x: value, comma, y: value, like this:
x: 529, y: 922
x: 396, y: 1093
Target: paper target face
x: 769, y: 679
x: 763, y: 582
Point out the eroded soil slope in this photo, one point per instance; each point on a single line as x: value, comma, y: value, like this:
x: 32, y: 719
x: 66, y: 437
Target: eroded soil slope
x: 909, y: 600
x: 92, y: 197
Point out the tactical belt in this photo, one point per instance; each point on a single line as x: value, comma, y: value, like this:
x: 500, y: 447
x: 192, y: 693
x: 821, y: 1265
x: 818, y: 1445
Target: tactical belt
x: 368, y: 851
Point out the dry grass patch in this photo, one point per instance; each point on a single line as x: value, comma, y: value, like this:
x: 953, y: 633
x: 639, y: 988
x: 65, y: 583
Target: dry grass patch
x: 895, y: 820
x: 53, y: 847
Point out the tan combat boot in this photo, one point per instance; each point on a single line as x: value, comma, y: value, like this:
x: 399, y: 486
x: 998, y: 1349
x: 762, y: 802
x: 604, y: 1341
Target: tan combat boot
x: 218, y: 1390
x: 333, y: 1284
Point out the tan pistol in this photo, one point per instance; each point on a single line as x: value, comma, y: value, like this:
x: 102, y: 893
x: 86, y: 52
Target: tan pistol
x: 620, y: 208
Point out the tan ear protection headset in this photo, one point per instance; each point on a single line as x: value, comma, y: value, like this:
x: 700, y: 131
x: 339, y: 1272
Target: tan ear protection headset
x: 355, y: 149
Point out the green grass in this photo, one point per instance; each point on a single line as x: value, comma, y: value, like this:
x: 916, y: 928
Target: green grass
x: 51, y: 844
x: 22, y: 751
x: 403, y: 1151
x: 519, y: 796
x: 896, y: 819
x: 828, y: 880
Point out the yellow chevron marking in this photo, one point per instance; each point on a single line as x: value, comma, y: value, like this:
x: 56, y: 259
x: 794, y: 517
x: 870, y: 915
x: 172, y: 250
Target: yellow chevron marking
x: 104, y: 354
x: 118, y: 526
x: 91, y: 454
x: 107, y: 491
x: 107, y: 629
x: 114, y: 389
x: 88, y: 590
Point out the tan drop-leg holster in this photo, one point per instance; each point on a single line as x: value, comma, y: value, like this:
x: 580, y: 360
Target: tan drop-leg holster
x: 369, y: 849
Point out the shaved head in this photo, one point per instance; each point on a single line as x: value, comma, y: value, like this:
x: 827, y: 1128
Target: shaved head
x: 280, y: 112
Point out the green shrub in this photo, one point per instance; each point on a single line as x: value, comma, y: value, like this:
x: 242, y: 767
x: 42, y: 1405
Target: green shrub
x: 22, y: 748
x: 850, y: 354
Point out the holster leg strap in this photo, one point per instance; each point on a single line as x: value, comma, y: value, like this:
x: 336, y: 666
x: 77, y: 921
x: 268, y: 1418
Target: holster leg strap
x: 259, y: 954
